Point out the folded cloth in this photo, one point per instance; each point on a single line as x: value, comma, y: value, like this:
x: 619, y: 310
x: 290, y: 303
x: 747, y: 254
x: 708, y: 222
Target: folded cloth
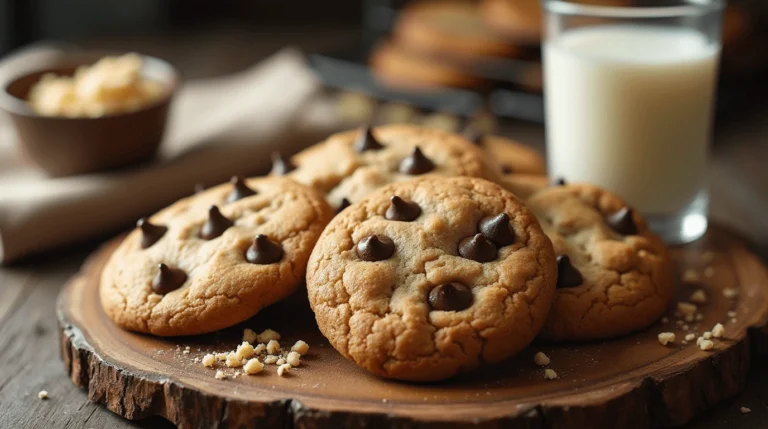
x: 218, y: 128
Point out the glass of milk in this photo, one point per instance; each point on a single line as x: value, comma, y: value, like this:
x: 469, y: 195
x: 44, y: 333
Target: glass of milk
x: 629, y: 95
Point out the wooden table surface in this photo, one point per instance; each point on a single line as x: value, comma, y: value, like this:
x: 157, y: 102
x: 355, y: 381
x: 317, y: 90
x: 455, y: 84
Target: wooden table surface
x: 29, y: 353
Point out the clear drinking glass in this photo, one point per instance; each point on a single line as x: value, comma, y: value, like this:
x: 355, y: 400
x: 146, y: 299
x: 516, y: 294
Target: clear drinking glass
x: 629, y: 95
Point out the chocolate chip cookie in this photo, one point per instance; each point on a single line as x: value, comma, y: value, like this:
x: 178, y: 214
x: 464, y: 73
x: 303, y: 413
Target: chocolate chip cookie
x: 214, y: 259
x: 350, y: 165
x: 614, y: 274
x: 524, y: 185
x: 449, y: 28
x: 425, y: 279
x: 511, y: 156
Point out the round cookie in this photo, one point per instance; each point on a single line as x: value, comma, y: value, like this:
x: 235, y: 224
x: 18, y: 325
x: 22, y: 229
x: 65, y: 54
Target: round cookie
x: 449, y: 28
x: 524, y: 185
x: 396, y: 67
x: 425, y: 279
x: 518, y: 20
x: 614, y: 274
x: 214, y: 259
x: 350, y: 165
x: 511, y: 156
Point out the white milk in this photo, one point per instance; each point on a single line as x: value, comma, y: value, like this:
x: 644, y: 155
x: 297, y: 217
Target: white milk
x: 629, y: 108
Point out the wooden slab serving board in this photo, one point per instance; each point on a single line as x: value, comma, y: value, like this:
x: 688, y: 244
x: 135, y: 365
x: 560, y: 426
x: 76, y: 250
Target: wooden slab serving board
x: 631, y: 382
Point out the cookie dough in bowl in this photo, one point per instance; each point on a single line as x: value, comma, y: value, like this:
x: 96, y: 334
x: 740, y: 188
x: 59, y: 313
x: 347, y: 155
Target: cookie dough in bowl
x: 214, y: 259
x: 425, y: 279
x: 614, y: 275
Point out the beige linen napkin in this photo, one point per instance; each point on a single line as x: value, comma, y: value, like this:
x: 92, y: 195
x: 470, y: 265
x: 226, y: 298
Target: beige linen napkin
x: 218, y: 128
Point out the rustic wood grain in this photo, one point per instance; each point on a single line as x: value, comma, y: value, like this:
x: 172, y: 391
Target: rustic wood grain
x: 632, y: 382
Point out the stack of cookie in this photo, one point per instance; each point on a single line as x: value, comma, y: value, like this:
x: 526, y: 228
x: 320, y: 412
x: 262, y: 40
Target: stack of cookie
x: 446, y: 252
x: 439, y: 43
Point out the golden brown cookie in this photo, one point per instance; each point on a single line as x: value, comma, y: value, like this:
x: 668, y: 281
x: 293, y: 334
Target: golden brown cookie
x: 614, y: 274
x: 511, y: 156
x: 350, y: 165
x: 396, y: 67
x: 524, y: 185
x: 425, y: 279
x: 518, y: 20
x: 449, y: 28
x: 214, y: 259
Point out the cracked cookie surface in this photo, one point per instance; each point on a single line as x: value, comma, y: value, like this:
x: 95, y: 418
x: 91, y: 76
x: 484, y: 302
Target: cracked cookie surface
x: 254, y: 254
x: 626, y: 279
x: 394, y: 289
x: 340, y: 169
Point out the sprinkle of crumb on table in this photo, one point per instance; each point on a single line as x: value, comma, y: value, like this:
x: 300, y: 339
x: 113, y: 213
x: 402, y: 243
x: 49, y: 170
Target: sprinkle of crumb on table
x: 43, y: 394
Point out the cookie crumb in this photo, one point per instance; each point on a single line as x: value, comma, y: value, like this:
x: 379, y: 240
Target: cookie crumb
x: 709, y: 272
x: 550, y: 374
x: 220, y: 375
x: 300, y: 347
x: 209, y: 360
x: 273, y: 347
x: 233, y: 360
x: 185, y: 352
x: 745, y: 410
x: 730, y: 292
x: 221, y: 356
x: 734, y: 320
x: 253, y: 366
x: 270, y: 359
x: 249, y: 336
x: 698, y: 296
x: 666, y: 338
x: 294, y: 359
x: 731, y: 314
x: 690, y: 337
x: 43, y: 394
x: 283, y: 369
x: 280, y: 362
x: 699, y: 317
x: 706, y: 344
x: 718, y: 330
x: 687, y: 309
x: 186, y: 348
x: 707, y: 335
x: 691, y: 276
x: 244, y: 350
x: 541, y: 359
x: 260, y: 348
x: 268, y: 335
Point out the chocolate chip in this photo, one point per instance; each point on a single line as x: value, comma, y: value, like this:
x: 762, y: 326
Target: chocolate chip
x: 239, y: 189
x: 416, y: 163
x: 150, y: 232
x: 215, y: 225
x: 478, y: 248
x: 344, y: 204
x: 497, y: 229
x: 567, y: 274
x: 281, y: 165
x: 474, y: 135
x: 366, y: 140
x: 506, y: 169
x: 450, y: 297
x: 375, y: 248
x: 168, y: 279
x: 622, y: 221
x: 402, y: 210
x: 559, y: 181
x: 264, y: 251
